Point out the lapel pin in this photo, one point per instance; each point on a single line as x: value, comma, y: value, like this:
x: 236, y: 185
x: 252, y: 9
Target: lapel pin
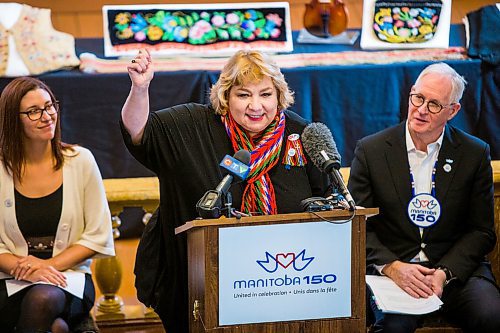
x: 294, y: 153
x: 447, y: 167
x: 449, y: 160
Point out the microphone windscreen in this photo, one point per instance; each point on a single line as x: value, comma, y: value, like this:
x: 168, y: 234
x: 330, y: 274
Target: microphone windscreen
x: 316, y: 137
x: 243, y: 156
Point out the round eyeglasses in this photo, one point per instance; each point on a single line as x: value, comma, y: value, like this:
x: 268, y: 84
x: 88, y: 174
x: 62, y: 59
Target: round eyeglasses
x: 35, y: 114
x: 433, y: 107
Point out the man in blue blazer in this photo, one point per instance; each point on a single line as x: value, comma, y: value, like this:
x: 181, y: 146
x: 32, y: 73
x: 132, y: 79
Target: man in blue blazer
x: 433, y: 184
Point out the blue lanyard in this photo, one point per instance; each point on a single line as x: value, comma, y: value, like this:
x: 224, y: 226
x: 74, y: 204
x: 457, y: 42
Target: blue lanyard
x: 433, y: 181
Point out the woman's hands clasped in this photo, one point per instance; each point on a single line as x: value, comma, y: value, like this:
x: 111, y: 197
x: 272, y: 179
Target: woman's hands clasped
x: 33, y: 269
x: 141, y: 69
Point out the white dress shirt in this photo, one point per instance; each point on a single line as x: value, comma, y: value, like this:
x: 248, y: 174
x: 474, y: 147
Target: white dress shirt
x: 421, y: 165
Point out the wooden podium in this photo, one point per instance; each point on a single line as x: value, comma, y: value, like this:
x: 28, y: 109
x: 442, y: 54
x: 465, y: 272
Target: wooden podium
x: 203, y: 274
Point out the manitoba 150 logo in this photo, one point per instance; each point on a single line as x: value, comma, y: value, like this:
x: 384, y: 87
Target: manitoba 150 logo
x: 424, y: 210
x: 298, y: 262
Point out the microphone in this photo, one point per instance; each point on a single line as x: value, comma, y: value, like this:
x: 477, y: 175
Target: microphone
x: 212, y: 202
x: 319, y: 144
x: 316, y: 204
x: 237, y: 166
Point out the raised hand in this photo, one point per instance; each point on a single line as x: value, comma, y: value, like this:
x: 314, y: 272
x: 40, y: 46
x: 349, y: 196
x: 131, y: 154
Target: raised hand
x: 135, y: 111
x: 412, y: 278
x: 140, y: 69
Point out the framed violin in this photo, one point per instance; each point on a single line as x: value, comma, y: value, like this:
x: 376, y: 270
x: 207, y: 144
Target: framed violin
x: 325, y: 18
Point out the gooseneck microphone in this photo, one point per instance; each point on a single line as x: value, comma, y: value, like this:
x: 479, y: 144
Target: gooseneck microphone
x: 319, y: 144
x: 213, y: 202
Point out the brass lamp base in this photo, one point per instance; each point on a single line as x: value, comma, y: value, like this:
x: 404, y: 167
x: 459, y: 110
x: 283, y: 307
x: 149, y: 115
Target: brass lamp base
x: 112, y: 304
x: 109, y: 308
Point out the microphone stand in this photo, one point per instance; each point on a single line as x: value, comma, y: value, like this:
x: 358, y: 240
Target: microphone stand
x: 228, y: 202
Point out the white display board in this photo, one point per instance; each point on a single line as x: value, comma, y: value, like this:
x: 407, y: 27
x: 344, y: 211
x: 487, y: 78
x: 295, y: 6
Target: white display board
x: 284, y: 272
x: 197, y: 29
x: 404, y: 21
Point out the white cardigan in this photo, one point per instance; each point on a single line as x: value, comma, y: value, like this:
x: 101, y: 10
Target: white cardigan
x: 85, y: 217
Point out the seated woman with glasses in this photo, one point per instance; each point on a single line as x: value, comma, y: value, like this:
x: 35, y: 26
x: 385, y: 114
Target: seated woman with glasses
x: 54, y: 215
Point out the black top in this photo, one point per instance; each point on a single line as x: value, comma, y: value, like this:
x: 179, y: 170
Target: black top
x: 184, y: 145
x: 38, y: 219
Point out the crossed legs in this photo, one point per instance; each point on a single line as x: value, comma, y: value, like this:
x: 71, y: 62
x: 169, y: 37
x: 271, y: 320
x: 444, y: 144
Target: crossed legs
x: 41, y: 309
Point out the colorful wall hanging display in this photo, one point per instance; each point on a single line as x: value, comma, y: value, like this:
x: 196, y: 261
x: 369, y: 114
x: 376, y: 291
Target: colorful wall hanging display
x: 197, y: 29
x: 400, y: 24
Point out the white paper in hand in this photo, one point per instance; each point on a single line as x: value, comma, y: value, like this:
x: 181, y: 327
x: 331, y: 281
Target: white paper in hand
x: 390, y: 298
x: 75, y: 284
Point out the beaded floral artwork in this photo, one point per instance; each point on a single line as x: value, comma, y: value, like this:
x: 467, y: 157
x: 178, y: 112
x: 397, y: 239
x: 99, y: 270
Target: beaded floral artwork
x: 200, y: 29
x: 406, y: 21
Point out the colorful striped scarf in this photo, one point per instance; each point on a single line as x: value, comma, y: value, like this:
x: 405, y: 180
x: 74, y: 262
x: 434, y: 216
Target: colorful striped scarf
x: 265, y: 149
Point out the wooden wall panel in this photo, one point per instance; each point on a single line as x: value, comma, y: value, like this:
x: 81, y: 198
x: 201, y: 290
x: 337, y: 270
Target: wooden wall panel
x: 83, y: 19
x: 90, y: 24
x: 65, y: 22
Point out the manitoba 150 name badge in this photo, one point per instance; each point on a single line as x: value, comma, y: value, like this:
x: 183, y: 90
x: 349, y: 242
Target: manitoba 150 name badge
x: 424, y: 210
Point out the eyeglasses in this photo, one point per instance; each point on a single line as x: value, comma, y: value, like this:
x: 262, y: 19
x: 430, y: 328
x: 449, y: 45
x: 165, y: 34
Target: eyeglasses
x: 432, y: 106
x: 36, y: 113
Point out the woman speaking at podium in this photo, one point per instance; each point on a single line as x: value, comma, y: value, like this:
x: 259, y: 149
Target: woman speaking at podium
x: 184, y: 145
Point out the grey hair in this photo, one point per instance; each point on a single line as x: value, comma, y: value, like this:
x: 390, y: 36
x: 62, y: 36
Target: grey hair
x: 457, y: 81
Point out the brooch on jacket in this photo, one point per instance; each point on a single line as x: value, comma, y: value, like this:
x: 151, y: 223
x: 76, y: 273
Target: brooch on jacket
x: 294, y: 153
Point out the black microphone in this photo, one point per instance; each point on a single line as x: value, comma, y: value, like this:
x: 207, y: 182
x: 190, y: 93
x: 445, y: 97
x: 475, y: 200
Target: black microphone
x: 237, y: 168
x: 319, y: 144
